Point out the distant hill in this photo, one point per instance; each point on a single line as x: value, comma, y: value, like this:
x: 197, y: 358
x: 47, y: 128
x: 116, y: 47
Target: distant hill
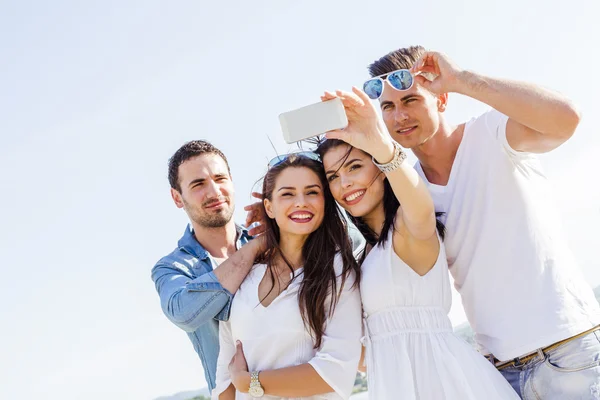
x: 465, y: 332
x: 597, y: 293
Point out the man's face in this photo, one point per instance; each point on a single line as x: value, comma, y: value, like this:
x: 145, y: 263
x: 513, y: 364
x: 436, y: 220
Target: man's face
x: 412, y: 116
x: 207, y: 193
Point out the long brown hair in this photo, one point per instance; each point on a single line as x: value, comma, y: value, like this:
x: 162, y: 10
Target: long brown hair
x: 319, y: 282
x: 390, y: 203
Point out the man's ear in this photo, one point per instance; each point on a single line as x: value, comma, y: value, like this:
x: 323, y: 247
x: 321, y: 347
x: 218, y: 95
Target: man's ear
x: 269, y: 208
x: 442, y: 102
x: 177, y: 199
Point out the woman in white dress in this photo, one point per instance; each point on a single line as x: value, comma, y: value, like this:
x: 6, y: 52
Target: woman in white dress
x: 411, y: 349
x: 295, y: 325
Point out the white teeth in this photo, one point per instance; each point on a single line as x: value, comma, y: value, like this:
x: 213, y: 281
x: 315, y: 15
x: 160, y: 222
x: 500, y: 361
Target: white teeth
x: 355, y: 196
x: 406, y: 129
x: 301, y: 216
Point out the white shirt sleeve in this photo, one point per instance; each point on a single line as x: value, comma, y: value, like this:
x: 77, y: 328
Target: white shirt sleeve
x: 495, y: 123
x: 336, y: 361
x: 226, y: 352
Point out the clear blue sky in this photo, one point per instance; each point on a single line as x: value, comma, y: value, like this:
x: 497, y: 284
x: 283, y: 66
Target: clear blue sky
x: 95, y: 96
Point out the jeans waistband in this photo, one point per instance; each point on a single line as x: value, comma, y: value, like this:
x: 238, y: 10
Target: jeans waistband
x: 524, y: 359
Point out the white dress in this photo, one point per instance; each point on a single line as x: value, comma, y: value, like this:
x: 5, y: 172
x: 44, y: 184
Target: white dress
x: 275, y: 337
x: 412, y: 351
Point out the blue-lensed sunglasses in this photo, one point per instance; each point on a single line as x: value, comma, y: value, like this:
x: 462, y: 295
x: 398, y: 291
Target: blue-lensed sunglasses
x: 279, y: 159
x: 401, y: 79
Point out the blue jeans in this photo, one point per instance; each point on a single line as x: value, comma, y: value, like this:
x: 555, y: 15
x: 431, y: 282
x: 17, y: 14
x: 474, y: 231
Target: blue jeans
x: 571, y: 371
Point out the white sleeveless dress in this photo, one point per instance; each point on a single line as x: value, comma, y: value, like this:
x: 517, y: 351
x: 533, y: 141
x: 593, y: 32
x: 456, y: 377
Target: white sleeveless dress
x: 411, y: 349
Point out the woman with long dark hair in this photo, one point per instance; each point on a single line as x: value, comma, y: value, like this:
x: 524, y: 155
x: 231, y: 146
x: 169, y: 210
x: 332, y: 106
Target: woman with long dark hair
x: 295, y: 324
x: 411, y: 350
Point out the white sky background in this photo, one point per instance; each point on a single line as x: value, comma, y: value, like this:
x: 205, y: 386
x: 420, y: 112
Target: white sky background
x: 96, y: 96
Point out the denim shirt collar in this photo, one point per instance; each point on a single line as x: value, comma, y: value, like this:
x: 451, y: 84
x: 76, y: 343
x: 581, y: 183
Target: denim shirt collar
x: 189, y: 244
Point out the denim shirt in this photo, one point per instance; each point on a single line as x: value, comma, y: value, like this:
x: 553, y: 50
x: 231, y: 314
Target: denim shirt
x: 192, y: 297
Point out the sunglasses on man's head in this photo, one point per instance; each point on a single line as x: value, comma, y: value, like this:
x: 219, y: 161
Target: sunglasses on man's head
x: 279, y: 159
x: 401, y: 79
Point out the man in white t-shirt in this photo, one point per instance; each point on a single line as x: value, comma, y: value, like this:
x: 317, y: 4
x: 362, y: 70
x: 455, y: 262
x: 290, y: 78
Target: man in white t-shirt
x: 533, y: 314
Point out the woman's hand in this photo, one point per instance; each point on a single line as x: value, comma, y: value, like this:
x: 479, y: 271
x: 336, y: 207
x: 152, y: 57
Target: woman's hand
x: 256, y: 214
x: 365, y: 131
x: 238, y: 370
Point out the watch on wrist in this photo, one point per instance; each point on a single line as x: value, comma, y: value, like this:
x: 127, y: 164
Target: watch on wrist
x: 256, y: 390
x: 397, y: 160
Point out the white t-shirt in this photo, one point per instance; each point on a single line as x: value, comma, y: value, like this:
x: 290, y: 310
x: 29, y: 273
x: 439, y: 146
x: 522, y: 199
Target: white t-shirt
x: 520, y: 285
x: 275, y: 337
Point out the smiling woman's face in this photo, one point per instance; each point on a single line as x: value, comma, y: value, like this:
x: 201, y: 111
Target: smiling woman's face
x: 297, y: 203
x: 355, y: 182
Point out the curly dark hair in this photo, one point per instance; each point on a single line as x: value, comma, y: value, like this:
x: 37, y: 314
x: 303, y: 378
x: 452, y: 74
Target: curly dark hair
x: 190, y: 150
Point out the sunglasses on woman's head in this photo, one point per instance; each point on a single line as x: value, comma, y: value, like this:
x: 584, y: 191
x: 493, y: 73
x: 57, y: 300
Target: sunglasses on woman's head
x: 401, y: 79
x: 279, y: 159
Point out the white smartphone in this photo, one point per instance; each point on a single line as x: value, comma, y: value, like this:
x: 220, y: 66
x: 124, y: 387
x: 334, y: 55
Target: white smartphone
x: 313, y: 120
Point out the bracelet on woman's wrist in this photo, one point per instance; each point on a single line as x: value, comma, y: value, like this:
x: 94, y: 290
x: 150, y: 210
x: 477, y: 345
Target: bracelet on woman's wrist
x: 397, y: 160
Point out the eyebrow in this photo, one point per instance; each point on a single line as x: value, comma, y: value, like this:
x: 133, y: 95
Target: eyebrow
x: 331, y: 171
x: 201, y: 180
x: 408, y: 96
x: 293, y: 188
